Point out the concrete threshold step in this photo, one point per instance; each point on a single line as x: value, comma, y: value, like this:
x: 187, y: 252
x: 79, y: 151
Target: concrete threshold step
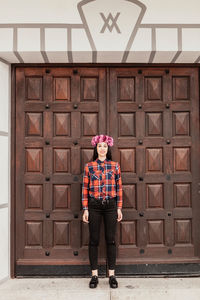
x: 77, y: 288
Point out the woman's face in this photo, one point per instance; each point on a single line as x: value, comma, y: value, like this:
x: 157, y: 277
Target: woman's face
x: 102, y: 149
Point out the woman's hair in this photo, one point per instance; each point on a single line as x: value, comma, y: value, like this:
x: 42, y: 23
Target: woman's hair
x: 108, y: 154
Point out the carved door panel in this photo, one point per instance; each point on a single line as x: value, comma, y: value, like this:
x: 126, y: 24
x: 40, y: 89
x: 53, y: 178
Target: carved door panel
x: 58, y: 110
x: 155, y: 125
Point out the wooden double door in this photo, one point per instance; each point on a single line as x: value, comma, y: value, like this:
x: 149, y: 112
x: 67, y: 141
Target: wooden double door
x: 153, y: 116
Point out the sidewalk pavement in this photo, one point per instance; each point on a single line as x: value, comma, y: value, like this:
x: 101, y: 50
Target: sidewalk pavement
x: 77, y: 288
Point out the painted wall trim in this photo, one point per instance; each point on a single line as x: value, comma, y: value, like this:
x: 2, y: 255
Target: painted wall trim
x: 4, y: 61
x: 5, y: 205
x: 69, y: 47
x: 3, y: 133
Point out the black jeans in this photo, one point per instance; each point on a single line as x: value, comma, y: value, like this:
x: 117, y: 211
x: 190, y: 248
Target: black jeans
x: 109, y: 212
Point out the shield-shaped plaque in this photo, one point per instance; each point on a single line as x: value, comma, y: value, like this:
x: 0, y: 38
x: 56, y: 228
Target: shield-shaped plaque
x: 111, y: 26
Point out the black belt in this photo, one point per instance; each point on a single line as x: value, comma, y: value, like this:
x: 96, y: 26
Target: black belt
x: 103, y: 201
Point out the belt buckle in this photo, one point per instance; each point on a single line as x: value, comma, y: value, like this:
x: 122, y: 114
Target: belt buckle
x: 104, y: 201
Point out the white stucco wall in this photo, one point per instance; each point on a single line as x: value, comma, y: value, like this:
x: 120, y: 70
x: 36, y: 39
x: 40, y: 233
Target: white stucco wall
x: 4, y: 170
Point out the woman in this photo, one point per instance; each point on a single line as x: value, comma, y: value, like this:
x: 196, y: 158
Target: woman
x: 102, y: 196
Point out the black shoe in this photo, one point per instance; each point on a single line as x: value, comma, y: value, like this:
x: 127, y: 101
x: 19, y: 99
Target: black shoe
x: 94, y: 281
x: 113, y: 282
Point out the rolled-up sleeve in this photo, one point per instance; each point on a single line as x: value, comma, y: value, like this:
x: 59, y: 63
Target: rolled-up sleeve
x: 85, y: 187
x: 118, y: 186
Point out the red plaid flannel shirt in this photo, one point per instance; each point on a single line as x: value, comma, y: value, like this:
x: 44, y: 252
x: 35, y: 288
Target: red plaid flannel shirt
x: 102, y: 180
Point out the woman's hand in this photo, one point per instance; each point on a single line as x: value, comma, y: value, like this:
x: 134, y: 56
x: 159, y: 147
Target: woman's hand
x: 85, y: 216
x: 119, y: 214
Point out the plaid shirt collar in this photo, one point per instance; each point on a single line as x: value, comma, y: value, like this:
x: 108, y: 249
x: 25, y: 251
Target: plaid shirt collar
x: 100, y: 162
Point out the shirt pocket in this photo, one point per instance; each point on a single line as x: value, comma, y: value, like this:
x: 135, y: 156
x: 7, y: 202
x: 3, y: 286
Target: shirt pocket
x: 96, y: 175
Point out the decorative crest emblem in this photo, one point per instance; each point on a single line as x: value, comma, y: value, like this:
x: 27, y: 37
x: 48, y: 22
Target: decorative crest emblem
x: 115, y: 35
x: 107, y: 20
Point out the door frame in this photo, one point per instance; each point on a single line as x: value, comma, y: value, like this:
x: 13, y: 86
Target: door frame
x: 169, y: 269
